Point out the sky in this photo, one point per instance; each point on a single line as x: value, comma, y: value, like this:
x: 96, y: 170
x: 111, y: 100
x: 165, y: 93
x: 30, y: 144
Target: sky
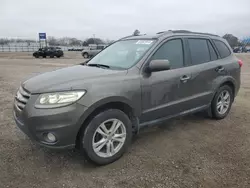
x: 113, y: 19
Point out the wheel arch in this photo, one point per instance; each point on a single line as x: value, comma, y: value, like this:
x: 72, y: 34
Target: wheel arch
x: 85, y: 53
x: 226, y: 81
x: 120, y: 103
x: 231, y: 85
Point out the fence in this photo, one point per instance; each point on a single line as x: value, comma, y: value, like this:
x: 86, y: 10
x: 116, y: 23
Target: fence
x: 18, y: 48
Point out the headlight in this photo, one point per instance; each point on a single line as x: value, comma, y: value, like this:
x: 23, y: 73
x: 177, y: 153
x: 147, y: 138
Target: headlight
x: 54, y: 100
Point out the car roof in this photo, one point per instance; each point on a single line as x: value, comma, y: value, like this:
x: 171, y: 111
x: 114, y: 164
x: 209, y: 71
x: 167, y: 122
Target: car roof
x: 165, y: 34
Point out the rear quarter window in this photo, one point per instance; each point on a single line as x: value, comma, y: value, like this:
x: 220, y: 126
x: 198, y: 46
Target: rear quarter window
x: 224, y: 51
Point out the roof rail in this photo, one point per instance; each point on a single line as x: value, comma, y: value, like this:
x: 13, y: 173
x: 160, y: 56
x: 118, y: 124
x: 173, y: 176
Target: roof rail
x: 183, y: 31
x: 190, y: 32
x: 163, y: 32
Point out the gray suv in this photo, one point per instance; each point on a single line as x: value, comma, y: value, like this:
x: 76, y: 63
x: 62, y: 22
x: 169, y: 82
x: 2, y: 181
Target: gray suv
x: 92, y: 51
x: 135, y: 82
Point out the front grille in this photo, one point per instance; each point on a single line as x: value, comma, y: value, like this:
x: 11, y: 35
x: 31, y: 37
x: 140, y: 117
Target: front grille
x: 21, y: 98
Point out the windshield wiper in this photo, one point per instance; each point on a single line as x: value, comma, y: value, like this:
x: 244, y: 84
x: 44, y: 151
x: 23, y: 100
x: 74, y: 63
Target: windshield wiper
x: 98, y: 65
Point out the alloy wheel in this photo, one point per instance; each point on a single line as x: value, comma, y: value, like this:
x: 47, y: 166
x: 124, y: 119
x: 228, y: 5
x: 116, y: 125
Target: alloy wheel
x: 109, y: 138
x: 223, y: 102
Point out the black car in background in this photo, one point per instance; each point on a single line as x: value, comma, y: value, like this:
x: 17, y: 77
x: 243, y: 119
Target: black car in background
x: 240, y: 49
x: 48, y: 51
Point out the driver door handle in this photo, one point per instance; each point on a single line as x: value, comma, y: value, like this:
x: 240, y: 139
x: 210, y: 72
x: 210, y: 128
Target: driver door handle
x: 185, y: 78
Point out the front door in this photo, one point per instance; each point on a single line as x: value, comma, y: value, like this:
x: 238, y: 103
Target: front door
x: 166, y: 93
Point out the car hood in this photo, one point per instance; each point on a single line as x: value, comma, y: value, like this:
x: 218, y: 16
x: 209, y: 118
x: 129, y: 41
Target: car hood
x: 70, y: 78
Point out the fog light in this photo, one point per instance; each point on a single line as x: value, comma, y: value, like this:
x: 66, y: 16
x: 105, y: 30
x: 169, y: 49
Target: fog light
x: 51, y: 137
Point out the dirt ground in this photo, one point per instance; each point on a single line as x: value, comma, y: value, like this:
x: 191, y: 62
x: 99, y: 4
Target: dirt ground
x: 189, y: 152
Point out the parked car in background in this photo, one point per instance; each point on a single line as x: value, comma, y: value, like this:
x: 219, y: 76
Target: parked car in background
x: 92, y: 51
x: 48, y: 52
x: 236, y: 50
x: 75, y: 49
x: 240, y: 49
x: 135, y: 82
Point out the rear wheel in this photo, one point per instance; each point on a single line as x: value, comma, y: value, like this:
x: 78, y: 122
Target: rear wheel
x: 106, y: 137
x: 222, y: 102
x: 86, y: 55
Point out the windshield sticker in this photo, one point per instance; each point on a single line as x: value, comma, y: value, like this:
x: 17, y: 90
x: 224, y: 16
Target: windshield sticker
x: 147, y: 42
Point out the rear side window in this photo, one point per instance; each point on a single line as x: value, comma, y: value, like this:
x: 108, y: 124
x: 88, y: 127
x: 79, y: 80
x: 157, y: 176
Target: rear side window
x: 171, y: 50
x: 199, y: 51
x: 213, y: 55
x: 222, y: 48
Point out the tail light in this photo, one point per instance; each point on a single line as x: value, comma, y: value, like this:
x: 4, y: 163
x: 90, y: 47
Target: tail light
x: 240, y: 63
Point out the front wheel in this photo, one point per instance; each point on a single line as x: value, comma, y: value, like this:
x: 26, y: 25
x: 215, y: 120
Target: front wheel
x: 106, y: 137
x: 222, y: 102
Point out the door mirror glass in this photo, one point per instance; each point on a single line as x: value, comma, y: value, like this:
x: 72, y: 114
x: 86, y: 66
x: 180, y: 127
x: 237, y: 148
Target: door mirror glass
x: 158, y: 65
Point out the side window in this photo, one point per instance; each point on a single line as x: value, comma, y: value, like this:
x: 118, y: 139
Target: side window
x: 222, y: 48
x: 171, y: 50
x: 199, y: 51
x: 213, y: 55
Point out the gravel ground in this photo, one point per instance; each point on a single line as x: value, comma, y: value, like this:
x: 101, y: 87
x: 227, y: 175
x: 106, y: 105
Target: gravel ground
x: 189, y: 152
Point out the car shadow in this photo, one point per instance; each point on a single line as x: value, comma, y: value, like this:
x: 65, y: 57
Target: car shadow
x: 75, y: 157
x: 171, y: 125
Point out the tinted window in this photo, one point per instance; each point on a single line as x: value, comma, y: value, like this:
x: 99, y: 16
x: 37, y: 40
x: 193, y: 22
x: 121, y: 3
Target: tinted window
x: 172, y: 51
x: 199, y: 51
x: 213, y: 55
x: 222, y: 48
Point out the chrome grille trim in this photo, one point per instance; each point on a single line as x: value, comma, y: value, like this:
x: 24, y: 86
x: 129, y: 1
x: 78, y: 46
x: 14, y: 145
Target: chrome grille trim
x: 21, y: 98
x: 23, y: 92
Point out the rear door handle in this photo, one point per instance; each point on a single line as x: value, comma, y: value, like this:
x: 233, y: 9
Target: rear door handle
x: 219, y: 69
x: 185, y: 78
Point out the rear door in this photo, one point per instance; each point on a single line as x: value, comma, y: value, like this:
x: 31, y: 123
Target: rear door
x: 94, y: 50
x: 204, y: 64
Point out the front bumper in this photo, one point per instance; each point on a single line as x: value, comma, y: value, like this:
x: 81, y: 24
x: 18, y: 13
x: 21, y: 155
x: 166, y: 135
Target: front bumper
x: 64, y: 123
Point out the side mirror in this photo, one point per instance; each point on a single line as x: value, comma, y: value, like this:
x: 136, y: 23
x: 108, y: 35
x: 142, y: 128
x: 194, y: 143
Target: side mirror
x: 158, y: 65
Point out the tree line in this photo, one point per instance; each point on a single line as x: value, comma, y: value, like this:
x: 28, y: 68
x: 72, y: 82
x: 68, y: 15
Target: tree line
x: 67, y: 41
x: 53, y: 41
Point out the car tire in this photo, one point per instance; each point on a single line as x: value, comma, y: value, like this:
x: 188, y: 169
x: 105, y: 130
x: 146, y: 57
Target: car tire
x: 222, y: 102
x: 86, y: 55
x: 44, y: 56
x: 58, y: 56
x: 90, y: 136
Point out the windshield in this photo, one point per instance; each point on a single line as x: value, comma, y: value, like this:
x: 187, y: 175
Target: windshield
x: 122, y: 54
